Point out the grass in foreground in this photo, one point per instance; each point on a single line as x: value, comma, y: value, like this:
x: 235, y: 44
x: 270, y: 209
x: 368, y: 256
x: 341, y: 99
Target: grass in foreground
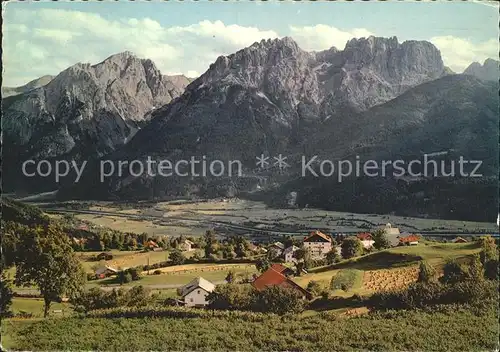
x: 34, y: 306
x: 458, y: 329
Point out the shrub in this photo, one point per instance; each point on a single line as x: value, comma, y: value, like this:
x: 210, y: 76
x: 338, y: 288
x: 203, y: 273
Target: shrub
x: 461, y: 285
x: 278, y: 300
x: 104, y: 256
x: 332, y: 257
x: 426, y: 272
x: 95, y: 298
x: 488, y: 249
x: 344, y: 280
x: 491, y: 270
x: 453, y: 272
x: 137, y: 296
x: 314, y: 287
x: 230, y: 277
x: 157, y: 272
x: 351, y: 247
x: 125, y: 277
x: 135, y: 273
x: 176, y: 257
x: 6, y: 294
x: 262, y: 264
x: 231, y: 296
x: 380, y: 240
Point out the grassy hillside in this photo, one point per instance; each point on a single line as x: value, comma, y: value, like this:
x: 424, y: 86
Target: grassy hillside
x: 394, y: 267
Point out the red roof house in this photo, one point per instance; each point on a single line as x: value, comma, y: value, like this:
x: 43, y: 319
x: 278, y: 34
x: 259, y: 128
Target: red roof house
x: 409, y: 240
x: 364, y: 236
x: 271, y: 277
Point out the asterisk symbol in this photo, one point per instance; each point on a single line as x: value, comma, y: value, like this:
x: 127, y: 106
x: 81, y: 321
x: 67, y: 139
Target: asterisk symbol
x: 280, y: 161
x: 262, y: 161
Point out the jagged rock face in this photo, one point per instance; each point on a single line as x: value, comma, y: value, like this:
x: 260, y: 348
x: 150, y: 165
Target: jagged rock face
x: 273, y: 97
x: 273, y: 93
x: 366, y: 73
x: 87, y: 110
x: 489, y: 71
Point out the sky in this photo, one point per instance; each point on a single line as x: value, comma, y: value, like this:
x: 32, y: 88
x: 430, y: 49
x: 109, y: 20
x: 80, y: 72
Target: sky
x: 41, y: 38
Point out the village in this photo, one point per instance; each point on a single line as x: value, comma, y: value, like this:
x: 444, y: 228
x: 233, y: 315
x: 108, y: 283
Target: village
x: 274, y: 282
x: 283, y: 262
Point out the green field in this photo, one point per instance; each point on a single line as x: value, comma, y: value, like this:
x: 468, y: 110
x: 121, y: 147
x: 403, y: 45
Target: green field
x: 453, y: 330
x: 211, y: 272
x: 35, y: 307
x: 123, y: 259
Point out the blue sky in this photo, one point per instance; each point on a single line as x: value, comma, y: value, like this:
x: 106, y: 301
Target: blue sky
x: 185, y: 37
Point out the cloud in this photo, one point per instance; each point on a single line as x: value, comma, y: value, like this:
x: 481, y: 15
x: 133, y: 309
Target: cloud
x: 458, y: 53
x: 322, y: 37
x: 489, y: 3
x: 48, y: 41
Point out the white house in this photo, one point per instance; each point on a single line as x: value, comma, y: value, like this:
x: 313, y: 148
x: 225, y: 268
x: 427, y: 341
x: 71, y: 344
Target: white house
x: 389, y: 230
x: 195, y: 293
x: 366, y: 239
x: 288, y: 254
x: 277, y: 248
x: 186, y: 245
x: 318, y: 244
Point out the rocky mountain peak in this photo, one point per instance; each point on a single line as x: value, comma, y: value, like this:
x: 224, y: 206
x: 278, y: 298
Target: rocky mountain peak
x: 489, y: 71
x: 100, y: 106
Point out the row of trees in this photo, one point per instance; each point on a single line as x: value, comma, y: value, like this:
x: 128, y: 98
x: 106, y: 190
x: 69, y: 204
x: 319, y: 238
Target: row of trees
x: 95, y: 298
x: 274, y: 299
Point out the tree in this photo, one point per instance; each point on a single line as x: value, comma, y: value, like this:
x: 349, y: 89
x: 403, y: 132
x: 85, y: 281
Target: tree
x: 227, y: 252
x: 230, y: 296
x: 304, y: 255
x: 124, y: 277
x: 453, y: 272
x: 332, y: 257
x: 314, y: 287
x: 46, y: 259
x: 475, y: 269
x: 230, y: 277
x: 426, y: 272
x: 135, y: 273
x: 380, y: 239
x: 176, y: 257
x: 278, y: 300
x: 5, y: 296
x: 491, y: 270
x: 241, y: 247
x: 116, y: 241
x: 210, y: 240
x: 351, y: 247
x: 488, y: 249
x: 262, y: 264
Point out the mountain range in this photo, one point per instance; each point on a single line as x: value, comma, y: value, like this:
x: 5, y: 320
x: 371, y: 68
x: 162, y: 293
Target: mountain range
x: 377, y: 99
x: 488, y: 71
